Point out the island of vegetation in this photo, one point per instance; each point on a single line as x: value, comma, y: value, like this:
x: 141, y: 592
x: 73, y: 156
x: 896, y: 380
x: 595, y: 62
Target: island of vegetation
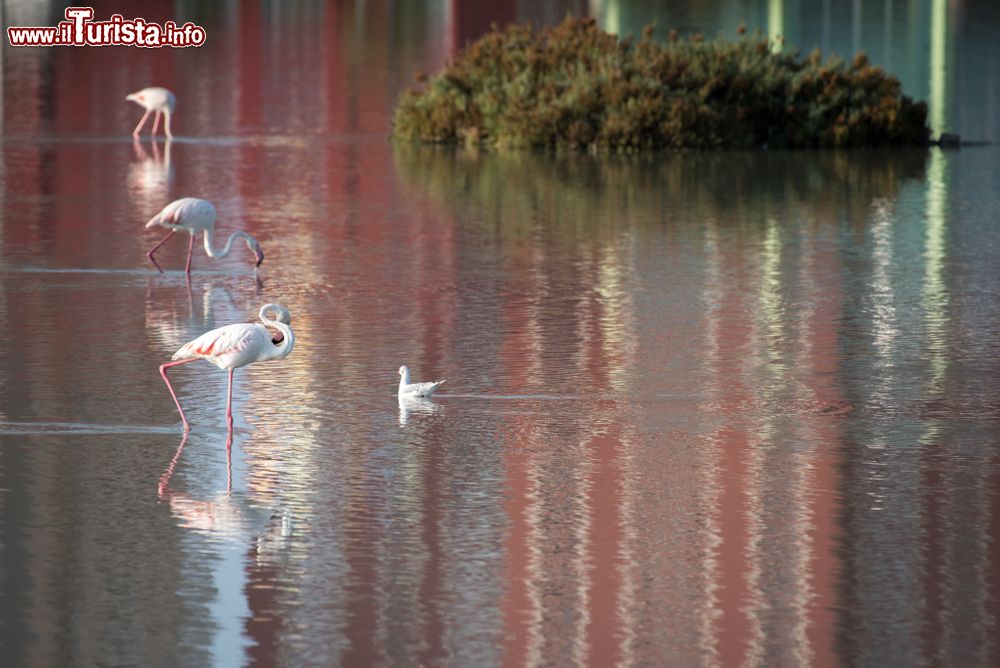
x: 577, y: 86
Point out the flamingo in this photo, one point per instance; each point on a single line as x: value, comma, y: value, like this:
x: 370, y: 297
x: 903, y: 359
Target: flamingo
x: 233, y: 346
x: 408, y: 389
x: 196, y: 215
x: 157, y: 99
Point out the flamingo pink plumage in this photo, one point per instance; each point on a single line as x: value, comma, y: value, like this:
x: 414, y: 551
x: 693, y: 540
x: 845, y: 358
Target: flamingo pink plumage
x: 233, y: 346
x: 196, y: 215
x: 157, y: 99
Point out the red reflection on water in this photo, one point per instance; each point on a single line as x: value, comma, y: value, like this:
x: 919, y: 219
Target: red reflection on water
x: 470, y: 19
x: 518, y: 606
x: 734, y: 630
x: 342, y: 92
x: 823, y: 269
x: 606, y: 627
x: 250, y: 66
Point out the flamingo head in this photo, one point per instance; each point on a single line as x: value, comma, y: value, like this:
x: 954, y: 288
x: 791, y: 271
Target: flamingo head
x: 258, y: 253
x: 282, y: 314
x: 135, y: 97
x: 402, y: 370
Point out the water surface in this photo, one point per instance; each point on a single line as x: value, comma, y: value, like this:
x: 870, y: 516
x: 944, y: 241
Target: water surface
x: 702, y: 408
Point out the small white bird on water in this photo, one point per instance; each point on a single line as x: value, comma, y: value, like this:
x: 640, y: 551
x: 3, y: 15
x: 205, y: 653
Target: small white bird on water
x: 408, y: 389
x: 157, y: 99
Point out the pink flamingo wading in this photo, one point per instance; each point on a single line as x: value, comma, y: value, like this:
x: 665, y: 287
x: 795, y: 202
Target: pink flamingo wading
x: 157, y: 99
x: 196, y: 215
x: 233, y: 346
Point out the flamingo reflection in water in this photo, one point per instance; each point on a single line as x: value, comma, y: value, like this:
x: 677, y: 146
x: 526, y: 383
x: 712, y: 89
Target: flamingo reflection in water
x: 228, y: 516
x: 234, y: 346
x: 151, y: 176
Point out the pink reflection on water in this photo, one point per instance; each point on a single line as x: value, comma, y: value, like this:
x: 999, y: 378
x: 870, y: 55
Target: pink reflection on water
x: 723, y: 522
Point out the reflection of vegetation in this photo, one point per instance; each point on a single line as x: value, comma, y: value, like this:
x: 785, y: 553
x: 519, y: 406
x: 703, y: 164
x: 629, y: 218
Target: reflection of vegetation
x: 582, y: 190
x: 575, y: 85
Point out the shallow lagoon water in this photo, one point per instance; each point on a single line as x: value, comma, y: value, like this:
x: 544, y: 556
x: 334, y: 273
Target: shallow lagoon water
x: 702, y: 408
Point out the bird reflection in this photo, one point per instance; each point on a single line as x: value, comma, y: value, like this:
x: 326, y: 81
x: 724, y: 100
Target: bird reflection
x: 232, y: 517
x: 151, y: 176
x: 415, y: 405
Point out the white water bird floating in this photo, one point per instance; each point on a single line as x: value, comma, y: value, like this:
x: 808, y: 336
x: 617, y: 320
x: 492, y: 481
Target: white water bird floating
x: 233, y: 346
x: 157, y: 99
x: 408, y: 389
x: 197, y: 215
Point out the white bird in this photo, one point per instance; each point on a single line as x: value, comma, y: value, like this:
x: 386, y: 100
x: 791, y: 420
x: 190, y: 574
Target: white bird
x: 234, y: 346
x: 408, y: 389
x: 157, y: 99
x: 196, y: 215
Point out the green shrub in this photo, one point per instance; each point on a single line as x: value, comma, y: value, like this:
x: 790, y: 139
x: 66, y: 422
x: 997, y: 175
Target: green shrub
x: 577, y: 86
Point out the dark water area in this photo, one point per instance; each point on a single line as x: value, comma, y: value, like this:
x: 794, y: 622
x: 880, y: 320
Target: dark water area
x: 720, y: 408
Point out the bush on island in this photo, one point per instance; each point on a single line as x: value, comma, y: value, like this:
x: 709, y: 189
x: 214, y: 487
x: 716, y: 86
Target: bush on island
x: 577, y: 86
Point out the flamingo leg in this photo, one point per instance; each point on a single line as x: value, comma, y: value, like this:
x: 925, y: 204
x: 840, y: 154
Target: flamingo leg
x: 156, y: 247
x: 163, y: 372
x: 229, y: 402
x: 187, y: 267
x: 156, y: 124
x: 135, y: 133
x: 166, y: 124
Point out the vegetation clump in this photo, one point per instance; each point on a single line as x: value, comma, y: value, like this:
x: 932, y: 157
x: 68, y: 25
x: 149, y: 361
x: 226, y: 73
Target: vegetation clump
x: 577, y: 86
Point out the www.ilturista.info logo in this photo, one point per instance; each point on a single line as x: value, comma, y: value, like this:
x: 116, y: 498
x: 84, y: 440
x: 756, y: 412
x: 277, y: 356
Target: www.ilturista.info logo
x: 80, y: 30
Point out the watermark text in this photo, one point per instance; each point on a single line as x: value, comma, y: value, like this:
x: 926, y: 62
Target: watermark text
x: 79, y: 29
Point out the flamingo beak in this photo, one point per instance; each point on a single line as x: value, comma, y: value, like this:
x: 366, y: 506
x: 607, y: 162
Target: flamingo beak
x: 259, y: 252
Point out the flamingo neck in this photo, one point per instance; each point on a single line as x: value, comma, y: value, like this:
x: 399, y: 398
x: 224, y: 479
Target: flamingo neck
x: 281, y: 350
x: 404, y: 379
x: 228, y: 248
